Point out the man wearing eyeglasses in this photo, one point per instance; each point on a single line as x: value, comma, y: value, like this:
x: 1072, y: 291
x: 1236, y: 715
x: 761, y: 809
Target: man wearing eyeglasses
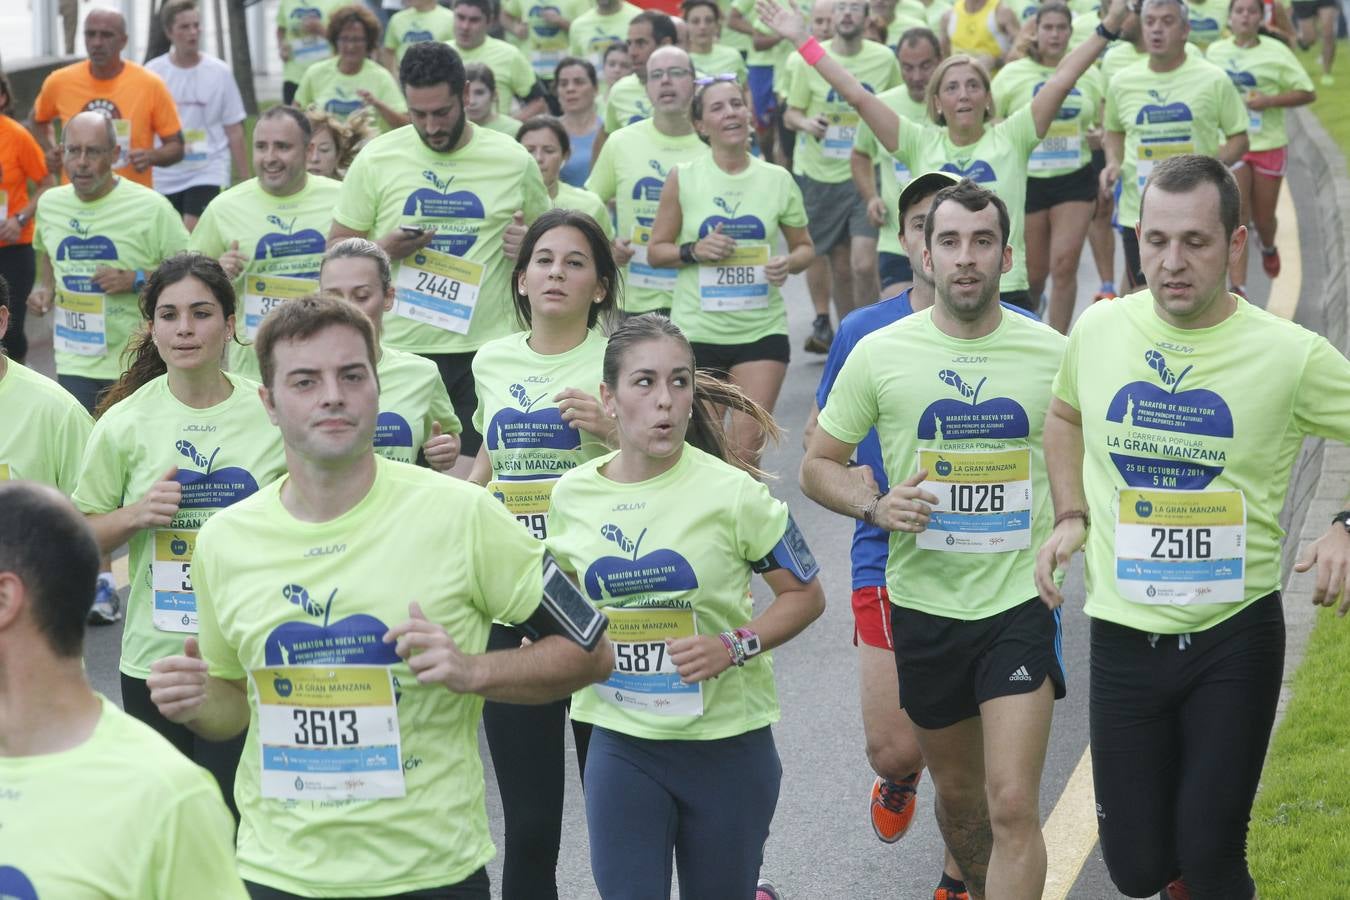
x: 836, y: 212
x: 97, y: 238
x: 631, y: 169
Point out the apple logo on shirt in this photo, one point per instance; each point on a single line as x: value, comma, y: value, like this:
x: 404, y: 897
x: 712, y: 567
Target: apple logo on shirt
x: 442, y: 203
x: 644, y: 111
x: 649, y: 189
x: 1160, y: 112
x: 970, y: 417
x: 1243, y: 81
x: 80, y: 247
x: 536, y: 17
x: 526, y: 427
x: 14, y: 885
x: 288, y: 242
x: 1161, y: 424
x: 305, y: 12
x: 344, y: 104
x: 392, y: 430
x: 741, y: 228
x: 211, y: 489
x: 834, y: 96
x: 357, y: 639
x: 416, y: 36
x: 621, y: 576
x: 977, y: 170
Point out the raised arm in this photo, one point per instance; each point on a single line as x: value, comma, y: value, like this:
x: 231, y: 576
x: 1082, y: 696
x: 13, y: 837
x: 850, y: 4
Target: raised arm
x: 1045, y: 106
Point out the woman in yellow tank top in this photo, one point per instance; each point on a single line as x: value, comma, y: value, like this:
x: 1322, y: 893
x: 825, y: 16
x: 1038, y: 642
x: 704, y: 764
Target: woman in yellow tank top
x: 984, y: 32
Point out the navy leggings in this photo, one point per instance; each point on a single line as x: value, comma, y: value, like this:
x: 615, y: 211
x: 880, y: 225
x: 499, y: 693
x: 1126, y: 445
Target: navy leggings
x: 709, y: 803
x: 1179, y: 729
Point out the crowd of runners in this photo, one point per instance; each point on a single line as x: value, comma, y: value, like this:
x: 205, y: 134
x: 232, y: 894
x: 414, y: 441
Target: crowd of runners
x: 487, y: 318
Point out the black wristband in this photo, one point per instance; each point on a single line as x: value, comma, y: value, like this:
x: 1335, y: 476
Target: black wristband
x: 1342, y: 518
x: 1107, y: 36
x: 687, y: 254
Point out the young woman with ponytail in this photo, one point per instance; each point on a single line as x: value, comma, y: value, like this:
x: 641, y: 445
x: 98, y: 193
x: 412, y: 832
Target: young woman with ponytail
x: 663, y: 535
x: 177, y: 440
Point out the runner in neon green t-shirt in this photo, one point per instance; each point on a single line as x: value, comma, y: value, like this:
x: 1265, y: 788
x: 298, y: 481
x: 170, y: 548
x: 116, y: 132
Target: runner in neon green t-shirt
x: 1270, y: 79
x: 301, y: 37
x: 549, y: 144
x: 628, y: 102
x: 544, y: 28
x: 345, y: 83
x: 1177, y: 418
x: 719, y: 223
x: 516, y: 79
x: 416, y: 419
x: 1172, y: 104
x: 374, y: 764
x: 449, y: 202
x: 95, y: 803
x: 538, y: 412
x: 599, y: 28
x: 957, y: 394
x: 268, y: 232
x: 664, y: 537
x: 422, y: 20
x: 481, y: 101
x: 710, y: 57
x: 1062, y: 186
x: 632, y: 168
x: 177, y: 441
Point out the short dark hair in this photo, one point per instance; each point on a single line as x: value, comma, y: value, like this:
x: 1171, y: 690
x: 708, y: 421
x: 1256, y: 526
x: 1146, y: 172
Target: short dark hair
x: 483, y: 6
x: 49, y: 546
x: 662, y: 25
x: 171, y: 10
x: 281, y: 111
x: 355, y: 12
x: 616, y: 47
x: 689, y: 6
x: 1183, y: 174
x: 972, y: 197
x: 546, y: 123
x: 919, y: 35
x: 429, y: 63
x: 606, y: 269
x: 585, y: 65
x: 303, y: 318
x: 480, y: 72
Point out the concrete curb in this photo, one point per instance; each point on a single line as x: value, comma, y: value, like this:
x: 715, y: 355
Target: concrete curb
x: 1321, y: 477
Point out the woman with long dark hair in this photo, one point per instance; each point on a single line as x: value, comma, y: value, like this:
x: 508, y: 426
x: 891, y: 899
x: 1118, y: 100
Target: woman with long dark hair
x: 177, y: 440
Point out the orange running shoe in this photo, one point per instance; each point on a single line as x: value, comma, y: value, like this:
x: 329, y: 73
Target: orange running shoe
x: 1103, y: 295
x: 949, y: 894
x: 893, y: 807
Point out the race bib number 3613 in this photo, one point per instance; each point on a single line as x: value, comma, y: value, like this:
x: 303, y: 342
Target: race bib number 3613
x: 984, y: 500
x: 328, y: 733
x: 1181, y: 547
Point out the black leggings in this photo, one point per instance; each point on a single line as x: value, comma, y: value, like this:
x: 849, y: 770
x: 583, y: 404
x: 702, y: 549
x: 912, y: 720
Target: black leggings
x: 220, y: 758
x: 1179, y: 736
x: 17, y: 268
x: 526, y: 743
x: 475, y: 887
x: 1134, y: 272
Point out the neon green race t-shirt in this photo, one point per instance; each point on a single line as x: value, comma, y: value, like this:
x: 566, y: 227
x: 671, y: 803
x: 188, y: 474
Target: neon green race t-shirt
x: 1207, y: 21
x: 1192, y: 414
x: 131, y: 227
x: 528, y: 443
x: 1064, y: 149
x: 722, y: 59
x: 894, y: 174
x: 997, y: 162
x: 908, y: 14
x: 49, y: 446
x: 468, y: 196
x: 1165, y: 114
x: 319, y: 595
x: 331, y: 90
x: 284, y: 237
x: 514, y: 74
x: 731, y: 302
x: 670, y: 557
x: 973, y: 411
x: 412, y: 397
x: 507, y: 125
x: 1122, y: 54
x: 123, y: 814
x: 826, y: 160
x: 306, y: 48
x: 592, y: 33
x: 581, y: 200
x: 132, y: 447
x: 1270, y: 68
x: 631, y: 170
x: 627, y: 103
x: 730, y: 37
x: 545, y: 44
x: 410, y: 26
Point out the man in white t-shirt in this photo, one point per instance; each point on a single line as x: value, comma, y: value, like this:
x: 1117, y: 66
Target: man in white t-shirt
x: 211, y: 110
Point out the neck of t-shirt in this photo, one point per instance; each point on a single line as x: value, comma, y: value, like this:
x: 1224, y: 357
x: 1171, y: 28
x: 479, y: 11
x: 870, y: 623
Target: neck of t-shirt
x: 114, y: 69
x: 963, y: 330
x: 184, y: 60
x: 705, y: 49
x: 1167, y: 63
x: 607, y: 7
x: 321, y: 493
x: 1248, y: 42
x: 673, y: 124
x: 842, y: 46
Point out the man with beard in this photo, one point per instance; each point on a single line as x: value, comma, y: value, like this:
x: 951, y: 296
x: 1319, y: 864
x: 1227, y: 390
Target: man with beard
x: 449, y: 203
x: 957, y: 395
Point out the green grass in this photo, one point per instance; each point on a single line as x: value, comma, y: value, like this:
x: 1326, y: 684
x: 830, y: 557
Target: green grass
x: 1300, y: 834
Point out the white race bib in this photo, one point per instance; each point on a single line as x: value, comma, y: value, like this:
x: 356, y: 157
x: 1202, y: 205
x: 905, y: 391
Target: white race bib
x: 328, y: 733
x: 1255, y: 118
x: 902, y: 173
x: 545, y: 62
x: 644, y: 676
x: 4, y: 205
x: 839, y: 134
x: 736, y: 283
x: 122, y: 128
x: 264, y: 293
x: 194, y: 147
x: 643, y: 274
x: 1152, y: 152
x: 80, y: 324
x: 984, y: 500
x: 1061, y: 148
x: 175, y: 604
x: 308, y: 50
x: 1181, y: 547
x: 438, y: 289
x: 528, y: 501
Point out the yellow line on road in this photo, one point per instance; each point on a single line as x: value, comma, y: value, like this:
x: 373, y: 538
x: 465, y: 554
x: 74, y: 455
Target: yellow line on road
x: 1070, y: 832
x: 1284, y: 290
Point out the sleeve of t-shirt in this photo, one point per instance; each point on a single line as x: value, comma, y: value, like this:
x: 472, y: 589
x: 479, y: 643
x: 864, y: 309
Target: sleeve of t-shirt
x: 357, y: 204
x: 760, y: 520
x: 794, y: 209
x: 612, y: 123
x: 1094, y: 88
x: 865, y: 142
x: 163, y: 111
x: 1002, y: 90
x: 1065, y: 385
x: 193, y: 852
x: 72, y: 436
x: 1292, y: 74
x: 508, y: 563
x: 45, y: 106
x: 441, y: 410
x: 389, y: 92
x: 206, y: 237
x: 799, y: 94
x: 394, y: 30
x: 1020, y: 128
x: 845, y: 339
x: 480, y: 409
x: 522, y: 75
x: 1322, y: 401
x: 304, y: 93
x: 850, y: 410
x: 103, y: 471
x: 1232, y: 111
x: 892, y: 75
x: 222, y: 660
x: 534, y: 198
x: 232, y: 102
x: 601, y: 181
x: 908, y: 135
x: 1112, y: 121
x: 173, y: 236
x: 31, y: 159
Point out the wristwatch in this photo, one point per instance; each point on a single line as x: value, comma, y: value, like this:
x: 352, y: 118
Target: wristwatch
x: 1342, y: 518
x: 1107, y: 36
x: 22, y: 219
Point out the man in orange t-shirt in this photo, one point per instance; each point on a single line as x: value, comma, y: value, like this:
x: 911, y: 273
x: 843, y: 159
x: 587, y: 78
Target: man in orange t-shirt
x: 138, y: 102
x: 21, y: 161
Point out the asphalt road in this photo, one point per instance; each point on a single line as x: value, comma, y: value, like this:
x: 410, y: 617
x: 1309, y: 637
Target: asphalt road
x: 822, y: 845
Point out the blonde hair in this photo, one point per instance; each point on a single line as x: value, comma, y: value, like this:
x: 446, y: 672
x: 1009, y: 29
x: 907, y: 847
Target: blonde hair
x: 935, y: 84
x: 350, y: 134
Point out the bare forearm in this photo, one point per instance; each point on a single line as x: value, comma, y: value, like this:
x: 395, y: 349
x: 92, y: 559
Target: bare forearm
x: 864, y: 176
x: 1064, y: 462
x: 665, y: 255
x: 788, y: 615
x: 224, y: 714
x: 1113, y: 144
x: 795, y: 119
x: 829, y: 483
x: 1233, y: 148
x: 544, y: 671
x: 114, y: 529
x: 168, y: 153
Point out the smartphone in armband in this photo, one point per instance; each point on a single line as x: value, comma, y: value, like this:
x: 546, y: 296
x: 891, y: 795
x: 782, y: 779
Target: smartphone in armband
x: 565, y: 611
